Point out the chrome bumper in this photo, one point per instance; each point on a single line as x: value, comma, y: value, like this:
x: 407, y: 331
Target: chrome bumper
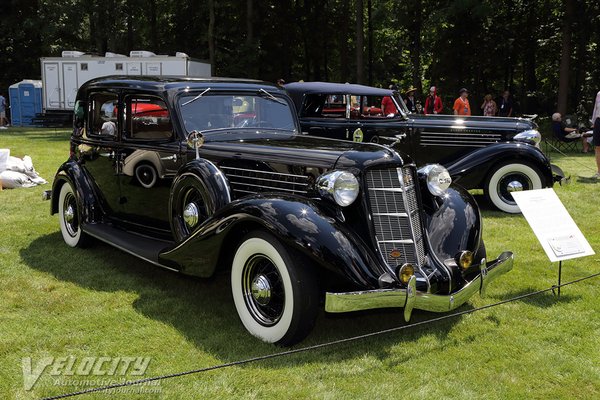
x: 409, y: 298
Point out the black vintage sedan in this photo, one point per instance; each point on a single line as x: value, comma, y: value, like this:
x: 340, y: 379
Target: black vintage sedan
x: 498, y: 155
x: 207, y: 176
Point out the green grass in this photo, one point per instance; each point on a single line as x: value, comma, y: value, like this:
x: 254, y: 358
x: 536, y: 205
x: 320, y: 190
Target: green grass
x: 57, y: 301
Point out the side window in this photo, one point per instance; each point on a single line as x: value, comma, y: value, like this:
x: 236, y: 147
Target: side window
x: 103, y: 115
x: 147, y: 118
x: 369, y: 107
x: 325, y: 106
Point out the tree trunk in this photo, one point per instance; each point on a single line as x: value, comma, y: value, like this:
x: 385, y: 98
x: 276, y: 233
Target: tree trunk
x: 415, y: 44
x: 211, y: 34
x: 370, y: 41
x: 360, y: 42
x: 565, y: 58
x: 344, y: 33
x: 249, y: 22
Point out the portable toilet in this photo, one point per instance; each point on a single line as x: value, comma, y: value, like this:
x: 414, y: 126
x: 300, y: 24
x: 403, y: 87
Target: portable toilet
x: 25, y: 102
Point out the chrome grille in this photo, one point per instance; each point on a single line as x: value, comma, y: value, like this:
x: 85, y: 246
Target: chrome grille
x: 396, y: 215
x: 250, y: 181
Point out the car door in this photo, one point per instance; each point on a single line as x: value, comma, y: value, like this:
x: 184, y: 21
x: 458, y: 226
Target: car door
x: 99, y: 147
x: 149, y: 159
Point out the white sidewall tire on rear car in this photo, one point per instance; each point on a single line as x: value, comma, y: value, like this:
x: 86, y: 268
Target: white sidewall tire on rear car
x: 495, y: 188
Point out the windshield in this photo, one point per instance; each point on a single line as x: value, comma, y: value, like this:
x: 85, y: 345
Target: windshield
x: 206, y: 112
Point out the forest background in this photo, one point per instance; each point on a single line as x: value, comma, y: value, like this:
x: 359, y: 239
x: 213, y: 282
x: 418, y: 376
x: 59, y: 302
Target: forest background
x: 546, y: 52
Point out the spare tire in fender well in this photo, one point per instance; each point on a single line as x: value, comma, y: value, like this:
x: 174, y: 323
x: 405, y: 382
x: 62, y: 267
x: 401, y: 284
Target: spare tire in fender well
x: 208, y: 181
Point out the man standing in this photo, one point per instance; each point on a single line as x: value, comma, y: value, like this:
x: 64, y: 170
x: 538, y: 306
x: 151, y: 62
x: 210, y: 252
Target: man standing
x: 461, y: 105
x: 433, y: 103
x: 505, y: 105
x: 2, y: 112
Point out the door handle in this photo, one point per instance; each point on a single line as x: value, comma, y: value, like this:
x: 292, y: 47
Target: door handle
x: 169, y: 158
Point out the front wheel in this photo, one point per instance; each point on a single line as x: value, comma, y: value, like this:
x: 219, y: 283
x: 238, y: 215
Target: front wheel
x: 275, y: 296
x: 508, y: 178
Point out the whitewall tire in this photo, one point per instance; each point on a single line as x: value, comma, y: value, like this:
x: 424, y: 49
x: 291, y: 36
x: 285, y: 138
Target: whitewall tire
x: 275, y: 296
x: 507, y: 178
x: 69, y: 217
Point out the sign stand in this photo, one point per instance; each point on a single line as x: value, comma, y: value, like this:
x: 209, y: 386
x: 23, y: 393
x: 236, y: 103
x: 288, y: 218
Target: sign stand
x: 554, y: 228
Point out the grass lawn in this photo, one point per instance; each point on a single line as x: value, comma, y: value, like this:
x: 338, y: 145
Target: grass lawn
x: 61, y: 302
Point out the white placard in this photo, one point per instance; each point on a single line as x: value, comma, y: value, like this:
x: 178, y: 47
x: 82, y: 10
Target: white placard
x: 551, y: 223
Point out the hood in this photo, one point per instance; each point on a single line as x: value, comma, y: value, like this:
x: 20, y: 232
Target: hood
x: 303, y: 150
x: 472, y: 122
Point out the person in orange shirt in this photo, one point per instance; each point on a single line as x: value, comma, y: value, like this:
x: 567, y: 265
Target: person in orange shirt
x: 461, y: 105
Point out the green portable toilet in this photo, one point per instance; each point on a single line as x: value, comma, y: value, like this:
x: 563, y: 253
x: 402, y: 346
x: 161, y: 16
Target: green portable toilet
x: 25, y: 99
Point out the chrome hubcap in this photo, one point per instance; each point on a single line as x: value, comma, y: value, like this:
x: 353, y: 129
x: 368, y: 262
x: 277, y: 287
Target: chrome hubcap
x: 261, y: 290
x: 515, y: 186
x: 69, y: 214
x: 190, y: 215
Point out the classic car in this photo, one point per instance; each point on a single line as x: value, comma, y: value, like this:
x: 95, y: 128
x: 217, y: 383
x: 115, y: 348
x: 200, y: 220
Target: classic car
x: 498, y: 155
x: 299, y: 223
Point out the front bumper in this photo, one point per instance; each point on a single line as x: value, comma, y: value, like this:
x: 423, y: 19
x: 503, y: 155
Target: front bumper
x: 410, y: 298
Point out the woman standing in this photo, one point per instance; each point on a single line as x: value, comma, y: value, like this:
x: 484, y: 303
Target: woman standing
x: 489, y: 106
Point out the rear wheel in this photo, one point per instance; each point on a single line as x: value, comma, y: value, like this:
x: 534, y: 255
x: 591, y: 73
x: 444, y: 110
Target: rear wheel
x: 69, y: 217
x: 511, y: 177
x: 276, y: 297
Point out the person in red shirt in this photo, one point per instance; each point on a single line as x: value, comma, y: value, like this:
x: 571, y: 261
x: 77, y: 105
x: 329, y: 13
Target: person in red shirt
x: 461, y: 105
x: 388, y: 108
x: 433, y: 103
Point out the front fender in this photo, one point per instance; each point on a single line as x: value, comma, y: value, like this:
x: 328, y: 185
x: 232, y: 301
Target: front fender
x: 298, y: 222
x: 455, y: 225
x: 83, y: 186
x: 471, y: 170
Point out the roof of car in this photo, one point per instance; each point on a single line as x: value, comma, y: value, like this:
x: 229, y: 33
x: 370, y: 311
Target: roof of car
x: 177, y: 82
x: 336, y: 88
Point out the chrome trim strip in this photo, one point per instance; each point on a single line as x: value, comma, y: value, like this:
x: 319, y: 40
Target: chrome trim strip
x: 391, y: 214
x: 387, y: 298
x: 398, y: 190
x: 402, y: 241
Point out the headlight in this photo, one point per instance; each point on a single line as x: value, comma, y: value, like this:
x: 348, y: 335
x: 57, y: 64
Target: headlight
x: 528, y: 136
x: 438, y: 178
x: 339, y: 186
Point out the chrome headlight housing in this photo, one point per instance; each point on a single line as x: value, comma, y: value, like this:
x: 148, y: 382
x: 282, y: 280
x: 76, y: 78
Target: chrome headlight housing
x: 340, y: 186
x: 531, y: 135
x: 437, y: 177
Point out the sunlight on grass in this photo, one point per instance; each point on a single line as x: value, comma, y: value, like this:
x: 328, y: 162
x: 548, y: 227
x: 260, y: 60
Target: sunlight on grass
x: 57, y: 301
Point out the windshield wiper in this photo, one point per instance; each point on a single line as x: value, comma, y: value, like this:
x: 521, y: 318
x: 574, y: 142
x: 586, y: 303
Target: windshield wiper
x: 271, y: 97
x: 195, y: 98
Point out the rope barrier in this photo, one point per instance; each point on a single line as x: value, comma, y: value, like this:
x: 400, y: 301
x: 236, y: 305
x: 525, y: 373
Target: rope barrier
x: 565, y: 155
x: 318, y: 346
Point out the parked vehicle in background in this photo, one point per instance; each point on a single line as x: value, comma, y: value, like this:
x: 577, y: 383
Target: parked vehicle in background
x: 498, y: 155
x: 208, y: 176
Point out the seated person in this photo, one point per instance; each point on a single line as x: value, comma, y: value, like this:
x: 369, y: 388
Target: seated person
x: 566, y: 134
x: 109, y: 128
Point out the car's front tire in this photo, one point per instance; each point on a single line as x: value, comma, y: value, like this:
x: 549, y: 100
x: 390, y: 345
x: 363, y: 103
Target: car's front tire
x: 69, y: 216
x: 276, y: 297
x: 509, y: 177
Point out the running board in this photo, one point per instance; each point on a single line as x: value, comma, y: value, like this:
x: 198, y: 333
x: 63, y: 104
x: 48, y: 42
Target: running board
x: 139, y: 246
